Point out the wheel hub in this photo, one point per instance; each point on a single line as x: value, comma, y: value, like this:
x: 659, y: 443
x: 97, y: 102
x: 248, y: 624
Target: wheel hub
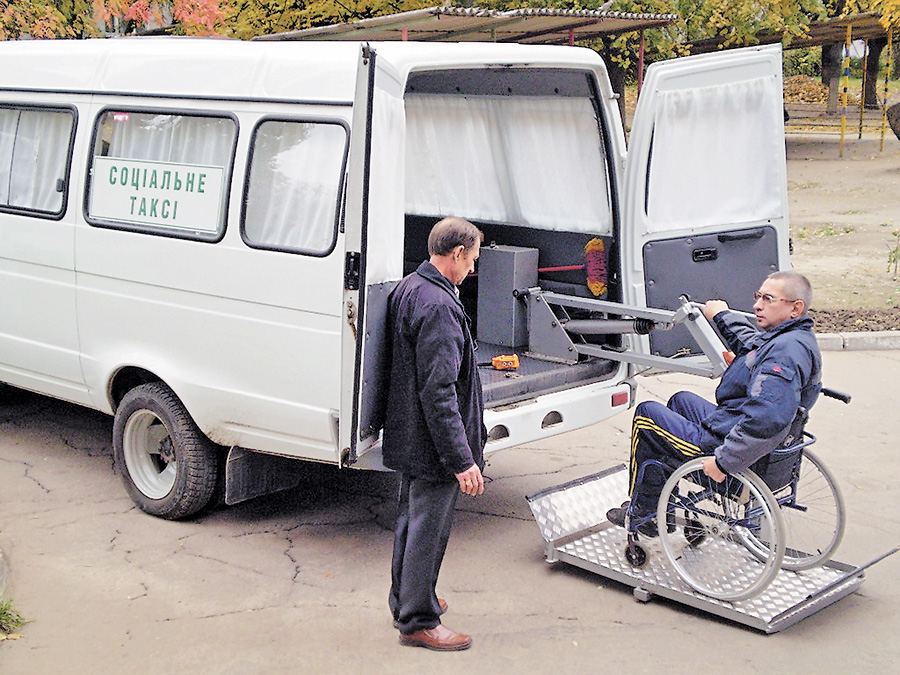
x: 167, y: 450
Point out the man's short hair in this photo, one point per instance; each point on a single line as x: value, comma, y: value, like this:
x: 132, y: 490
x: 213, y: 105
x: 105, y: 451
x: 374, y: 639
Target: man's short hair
x: 451, y: 232
x: 796, y: 286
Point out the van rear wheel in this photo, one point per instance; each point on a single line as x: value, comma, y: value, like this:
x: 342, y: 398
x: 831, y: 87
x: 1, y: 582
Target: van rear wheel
x: 168, y: 466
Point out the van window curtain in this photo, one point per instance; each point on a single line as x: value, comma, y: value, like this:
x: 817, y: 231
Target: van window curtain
x: 709, y: 144
x: 180, y: 139
x: 34, y: 146
x: 295, y: 177
x: 537, y: 162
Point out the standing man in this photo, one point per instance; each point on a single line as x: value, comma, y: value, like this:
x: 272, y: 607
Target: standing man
x: 434, y: 433
x: 776, y: 371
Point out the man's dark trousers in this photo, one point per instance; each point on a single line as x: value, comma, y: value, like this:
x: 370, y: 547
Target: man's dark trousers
x: 424, y: 519
x: 670, y: 433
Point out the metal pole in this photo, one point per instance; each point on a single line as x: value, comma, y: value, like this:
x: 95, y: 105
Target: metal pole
x: 846, y: 78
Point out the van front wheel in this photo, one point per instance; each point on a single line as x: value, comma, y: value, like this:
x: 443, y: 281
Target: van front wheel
x: 168, y: 466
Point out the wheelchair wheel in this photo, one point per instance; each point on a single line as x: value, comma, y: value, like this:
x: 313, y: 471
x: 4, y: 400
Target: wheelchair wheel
x: 710, y: 557
x: 813, y: 517
x: 636, y: 555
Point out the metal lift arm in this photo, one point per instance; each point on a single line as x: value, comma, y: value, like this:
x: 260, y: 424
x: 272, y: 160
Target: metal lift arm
x: 553, y: 335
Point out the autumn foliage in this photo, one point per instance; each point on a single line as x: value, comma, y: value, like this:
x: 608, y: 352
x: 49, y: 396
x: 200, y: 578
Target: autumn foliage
x: 92, y: 18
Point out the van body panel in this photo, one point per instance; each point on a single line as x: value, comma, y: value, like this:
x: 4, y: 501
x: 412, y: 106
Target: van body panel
x: 246, y: 337
x: 39, y: 350
x: 191, y: 68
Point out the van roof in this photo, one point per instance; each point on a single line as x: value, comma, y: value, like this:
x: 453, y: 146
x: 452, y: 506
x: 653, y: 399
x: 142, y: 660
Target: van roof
x: 226, y: 68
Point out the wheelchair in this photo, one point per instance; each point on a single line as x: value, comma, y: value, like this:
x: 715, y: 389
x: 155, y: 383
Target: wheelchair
x: 729, y: 540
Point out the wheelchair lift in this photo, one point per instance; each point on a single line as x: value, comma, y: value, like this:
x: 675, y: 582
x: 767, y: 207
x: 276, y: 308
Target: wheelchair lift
x: 553, y: 335
x: 572, y: 520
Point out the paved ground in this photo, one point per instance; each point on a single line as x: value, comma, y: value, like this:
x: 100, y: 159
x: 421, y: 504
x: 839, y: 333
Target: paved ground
x: 298, y: 582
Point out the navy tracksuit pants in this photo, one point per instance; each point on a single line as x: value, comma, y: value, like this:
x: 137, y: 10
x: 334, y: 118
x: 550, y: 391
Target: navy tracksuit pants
x: 669, y: 433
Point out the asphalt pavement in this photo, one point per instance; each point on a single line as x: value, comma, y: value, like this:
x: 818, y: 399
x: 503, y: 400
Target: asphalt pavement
x: 298, y: 582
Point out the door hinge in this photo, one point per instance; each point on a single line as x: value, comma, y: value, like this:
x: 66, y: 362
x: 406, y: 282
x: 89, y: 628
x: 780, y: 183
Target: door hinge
x: 351, y: 271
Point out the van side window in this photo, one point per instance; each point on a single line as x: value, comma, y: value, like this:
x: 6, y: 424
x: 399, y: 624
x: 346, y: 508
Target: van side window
x: 161, y: 173
x: 34, y: 159
x: 294, y: 185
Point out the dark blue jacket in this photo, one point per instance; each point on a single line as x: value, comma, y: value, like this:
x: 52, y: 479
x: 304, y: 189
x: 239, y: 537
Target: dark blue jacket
x: 434, y: 424
x: 774, y: 373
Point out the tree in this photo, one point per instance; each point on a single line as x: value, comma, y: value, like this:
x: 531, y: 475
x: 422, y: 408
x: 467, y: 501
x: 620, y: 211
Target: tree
x: 92, y: 18
x: 33, y: 18
x: 188, y: 17
x: 262, y: 17
x: 889, y: 15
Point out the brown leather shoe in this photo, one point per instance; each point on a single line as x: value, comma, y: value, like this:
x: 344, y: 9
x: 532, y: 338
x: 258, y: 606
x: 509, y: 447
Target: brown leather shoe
x: 440, y: 638
x: 441, y: 603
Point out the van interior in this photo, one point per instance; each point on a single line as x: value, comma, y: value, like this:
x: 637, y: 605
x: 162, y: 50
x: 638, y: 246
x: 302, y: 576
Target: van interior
x: 524, y: 155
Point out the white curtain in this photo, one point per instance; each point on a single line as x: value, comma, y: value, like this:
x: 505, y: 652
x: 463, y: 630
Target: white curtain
x: 179, y: 139
x: 384, y: 258
x: 294, y: 179
x: 9, y: 120
x: 537, y: 162
x: 34, y: 147
x: 708, y: 146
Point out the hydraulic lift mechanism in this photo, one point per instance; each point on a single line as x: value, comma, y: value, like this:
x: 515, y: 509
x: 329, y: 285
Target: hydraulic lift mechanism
x: 553, y: 335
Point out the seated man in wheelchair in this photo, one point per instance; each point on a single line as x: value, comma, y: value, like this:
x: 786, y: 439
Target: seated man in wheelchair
x: 776, y: 372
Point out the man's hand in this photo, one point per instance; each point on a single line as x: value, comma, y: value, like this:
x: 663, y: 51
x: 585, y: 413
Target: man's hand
x: 713, y: 307
x: 711, y: 469
x: 471, y: 482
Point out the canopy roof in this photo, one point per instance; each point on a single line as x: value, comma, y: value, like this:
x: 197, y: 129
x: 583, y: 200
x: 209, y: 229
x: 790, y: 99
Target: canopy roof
x: 476, y: 24
x: 830, y: 31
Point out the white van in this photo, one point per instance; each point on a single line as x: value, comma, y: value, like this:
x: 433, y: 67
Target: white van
x: 198, y: 236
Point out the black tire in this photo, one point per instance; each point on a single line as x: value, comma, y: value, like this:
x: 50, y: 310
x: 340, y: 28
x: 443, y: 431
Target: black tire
x: 168, y: 466
x: 636, y: 555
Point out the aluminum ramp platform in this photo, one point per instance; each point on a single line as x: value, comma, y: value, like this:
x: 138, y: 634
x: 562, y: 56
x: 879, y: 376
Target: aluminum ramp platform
x: 572, y: 520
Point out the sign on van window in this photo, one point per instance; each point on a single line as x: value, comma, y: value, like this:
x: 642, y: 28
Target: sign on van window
x: 162, y: 172
x: 160, y: 194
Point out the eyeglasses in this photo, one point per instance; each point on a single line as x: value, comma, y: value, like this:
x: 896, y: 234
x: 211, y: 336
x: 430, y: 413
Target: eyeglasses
x: 768, y: 299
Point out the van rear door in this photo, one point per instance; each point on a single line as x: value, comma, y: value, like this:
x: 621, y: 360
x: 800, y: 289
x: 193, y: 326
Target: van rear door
x: 705, y: 197
x: 373, y: 248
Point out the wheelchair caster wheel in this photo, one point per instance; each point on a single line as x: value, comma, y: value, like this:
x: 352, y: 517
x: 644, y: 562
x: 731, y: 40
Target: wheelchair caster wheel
x: 636, y: 555
x: 693, y: 532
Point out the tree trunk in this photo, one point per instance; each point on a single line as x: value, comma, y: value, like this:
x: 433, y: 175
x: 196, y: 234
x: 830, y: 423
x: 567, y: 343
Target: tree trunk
x: 617, y: 77
x: 831, y: 75
x: 872, y: 58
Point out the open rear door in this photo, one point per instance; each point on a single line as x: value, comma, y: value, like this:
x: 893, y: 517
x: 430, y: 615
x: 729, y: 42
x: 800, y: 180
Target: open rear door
x: 705, y: 209
x: 373, y: 248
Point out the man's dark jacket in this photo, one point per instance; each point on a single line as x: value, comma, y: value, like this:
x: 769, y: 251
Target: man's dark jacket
x: 433, y: 427
x: 774, y: 373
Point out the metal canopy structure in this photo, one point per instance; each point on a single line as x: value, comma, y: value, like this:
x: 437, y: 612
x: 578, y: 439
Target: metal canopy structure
x: 830, y: 31
x: 476, y: 24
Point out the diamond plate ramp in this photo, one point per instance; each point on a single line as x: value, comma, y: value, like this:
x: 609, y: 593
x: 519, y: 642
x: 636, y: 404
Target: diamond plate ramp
x: 572, y: 520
